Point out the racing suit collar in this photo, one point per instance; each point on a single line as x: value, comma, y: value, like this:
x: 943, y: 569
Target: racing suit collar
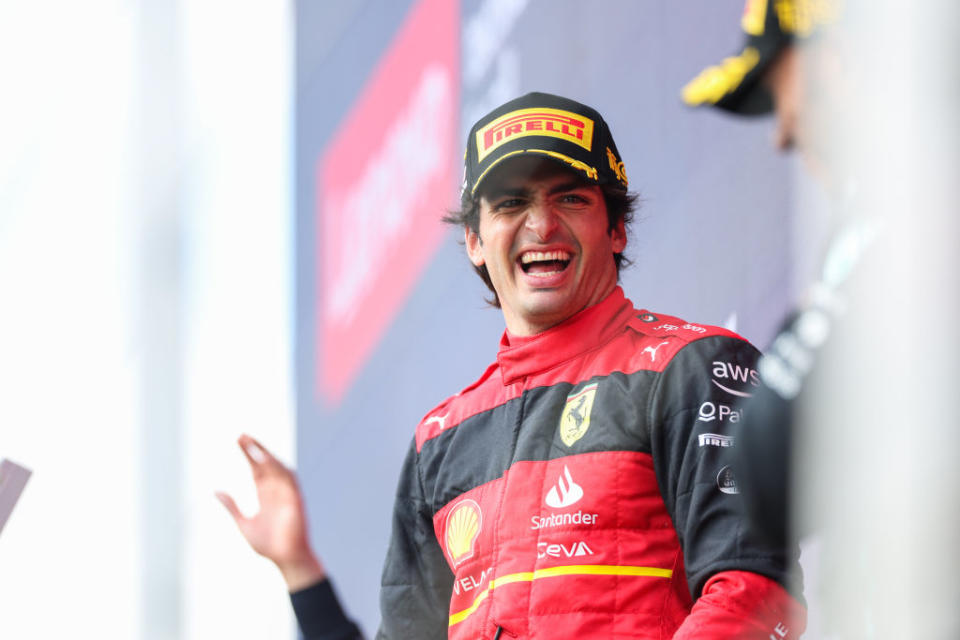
x: 521, y: 356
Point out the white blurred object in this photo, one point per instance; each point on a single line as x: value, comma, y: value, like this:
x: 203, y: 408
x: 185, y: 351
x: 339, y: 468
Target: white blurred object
x: 13, y: 479
x: 119, y: 121
x: 883, y: 476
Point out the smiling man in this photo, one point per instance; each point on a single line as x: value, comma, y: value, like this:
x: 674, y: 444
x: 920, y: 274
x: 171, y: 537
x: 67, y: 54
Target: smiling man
x: 581, y: 487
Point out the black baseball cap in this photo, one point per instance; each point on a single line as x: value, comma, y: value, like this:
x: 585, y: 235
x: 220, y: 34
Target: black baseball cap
x: 554, y: 127
x: 734, y: 84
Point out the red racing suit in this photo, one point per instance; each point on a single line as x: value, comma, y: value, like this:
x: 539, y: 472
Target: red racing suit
x: 582, y: 488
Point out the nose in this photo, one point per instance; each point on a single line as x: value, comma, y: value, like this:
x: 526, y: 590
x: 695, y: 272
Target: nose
x: 541, y: 219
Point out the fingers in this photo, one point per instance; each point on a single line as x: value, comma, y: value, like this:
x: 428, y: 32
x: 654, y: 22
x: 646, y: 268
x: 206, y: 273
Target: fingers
x: 260, y: 459
x: 230, y: 505
x: 255, y: 452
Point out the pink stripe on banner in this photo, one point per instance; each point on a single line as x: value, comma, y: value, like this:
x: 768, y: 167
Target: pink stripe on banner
x: 383, y: 183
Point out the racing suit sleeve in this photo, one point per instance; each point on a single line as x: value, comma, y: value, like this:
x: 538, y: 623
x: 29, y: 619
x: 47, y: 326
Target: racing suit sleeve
x: 320, y: 615
x: 417, y: 582
x: 415, y: 586
x: 737, y: 579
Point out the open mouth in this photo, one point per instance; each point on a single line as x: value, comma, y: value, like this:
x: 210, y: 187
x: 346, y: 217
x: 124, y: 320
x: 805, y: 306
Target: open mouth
x: 542, y: 264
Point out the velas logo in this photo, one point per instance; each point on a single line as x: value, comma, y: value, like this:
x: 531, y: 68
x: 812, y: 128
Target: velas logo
x: 463, y: 526
x: 471, y: 582
x: 565, y: 492
x: 387, y: 171
x: 553, y: 123
x: 575, y: 419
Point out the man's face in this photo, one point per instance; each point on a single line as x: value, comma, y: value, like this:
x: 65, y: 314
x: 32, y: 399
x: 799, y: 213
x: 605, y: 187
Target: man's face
x: 811, y: 97
x: 544, y: 239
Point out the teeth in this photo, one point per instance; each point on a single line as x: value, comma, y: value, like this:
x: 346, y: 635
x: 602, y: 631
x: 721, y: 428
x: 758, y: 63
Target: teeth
x: 545, y: 274
x: 543, y: 256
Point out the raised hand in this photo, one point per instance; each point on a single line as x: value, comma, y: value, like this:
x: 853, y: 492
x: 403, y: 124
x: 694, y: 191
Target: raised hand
x: 278, y: 531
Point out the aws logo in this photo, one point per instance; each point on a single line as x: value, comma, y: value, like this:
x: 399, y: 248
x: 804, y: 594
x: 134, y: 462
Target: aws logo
x: 463, y: 527
x: 553, y: 123
x: 732, y: 373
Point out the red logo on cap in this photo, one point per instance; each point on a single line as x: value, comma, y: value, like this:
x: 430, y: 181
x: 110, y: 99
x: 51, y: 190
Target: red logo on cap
x: 554, y: 123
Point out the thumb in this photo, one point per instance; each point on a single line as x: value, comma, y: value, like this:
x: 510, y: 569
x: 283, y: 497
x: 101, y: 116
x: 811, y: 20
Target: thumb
x: 230, y: 506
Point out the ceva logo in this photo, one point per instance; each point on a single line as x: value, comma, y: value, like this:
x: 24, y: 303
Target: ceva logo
x: 560, y: 550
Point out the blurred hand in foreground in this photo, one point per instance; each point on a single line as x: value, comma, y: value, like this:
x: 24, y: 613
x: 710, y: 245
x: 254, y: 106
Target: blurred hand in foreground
x: 278, y: 531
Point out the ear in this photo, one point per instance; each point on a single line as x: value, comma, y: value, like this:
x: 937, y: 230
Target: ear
x: 618, y: 238
x: 474, y: 246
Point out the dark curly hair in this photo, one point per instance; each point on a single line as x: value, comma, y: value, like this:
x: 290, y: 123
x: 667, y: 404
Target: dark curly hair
x: 620, y: 205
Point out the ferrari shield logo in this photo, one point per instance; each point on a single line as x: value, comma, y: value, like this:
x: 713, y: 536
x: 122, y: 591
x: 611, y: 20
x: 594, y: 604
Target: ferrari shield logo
x: 575, y: 419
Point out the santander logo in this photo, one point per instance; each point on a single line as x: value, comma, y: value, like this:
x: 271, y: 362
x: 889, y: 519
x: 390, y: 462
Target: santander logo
x: 565, y: 492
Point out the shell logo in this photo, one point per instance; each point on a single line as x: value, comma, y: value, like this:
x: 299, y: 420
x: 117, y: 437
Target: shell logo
x: 463, y: 527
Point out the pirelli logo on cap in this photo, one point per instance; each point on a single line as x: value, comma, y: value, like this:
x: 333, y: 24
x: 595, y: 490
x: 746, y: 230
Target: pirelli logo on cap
x: 554, y: 123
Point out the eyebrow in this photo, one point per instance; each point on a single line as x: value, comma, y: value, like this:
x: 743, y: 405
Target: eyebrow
x: 512, y: 192
x: 570, y: 185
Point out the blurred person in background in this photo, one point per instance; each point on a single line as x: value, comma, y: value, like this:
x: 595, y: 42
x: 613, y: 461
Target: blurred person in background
x: 774, y: 74
x: 572, y: 491
x: 859, y: 91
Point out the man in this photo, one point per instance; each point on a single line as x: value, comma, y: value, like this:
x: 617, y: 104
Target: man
x: 862, y: 83
x: 580, y: 488
x: 795, y: 414
x: 771, y: 75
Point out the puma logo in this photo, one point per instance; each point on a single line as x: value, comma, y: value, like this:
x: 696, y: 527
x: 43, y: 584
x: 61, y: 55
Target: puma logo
x: 653, y: 350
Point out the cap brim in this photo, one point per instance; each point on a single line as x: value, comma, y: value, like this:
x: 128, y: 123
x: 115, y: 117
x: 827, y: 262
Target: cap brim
x: 588, y: 172
x: 734, y: 85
